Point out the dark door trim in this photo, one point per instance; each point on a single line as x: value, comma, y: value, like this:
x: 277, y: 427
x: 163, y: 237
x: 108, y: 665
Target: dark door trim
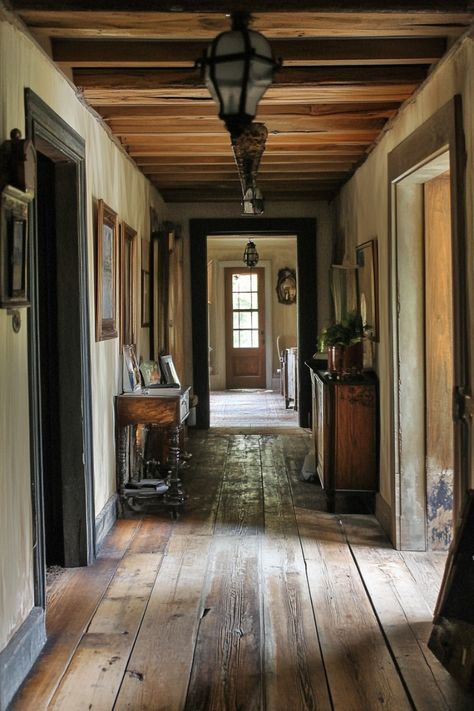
x: 53, y: 137
x: 305, y: 231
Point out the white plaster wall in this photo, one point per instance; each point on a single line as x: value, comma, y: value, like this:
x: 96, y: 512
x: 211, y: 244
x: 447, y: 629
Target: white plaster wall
x: 361, y: 211
x: 112, y: 177
x: 320, y: 211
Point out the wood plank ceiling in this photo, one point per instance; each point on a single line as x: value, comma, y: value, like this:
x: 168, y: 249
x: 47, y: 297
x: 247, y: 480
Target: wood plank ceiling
x: 347, y: 68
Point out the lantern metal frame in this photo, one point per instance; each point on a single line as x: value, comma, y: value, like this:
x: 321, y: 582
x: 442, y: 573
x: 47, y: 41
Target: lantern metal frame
x: 250, y: 257
x: 235, y: 123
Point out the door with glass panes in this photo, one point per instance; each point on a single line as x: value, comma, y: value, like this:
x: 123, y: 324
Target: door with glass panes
x: 245, y: 327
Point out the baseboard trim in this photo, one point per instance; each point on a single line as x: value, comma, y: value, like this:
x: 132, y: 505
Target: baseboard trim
x: 105, y: 520
x: 383, y: 514
x: 20, y: 654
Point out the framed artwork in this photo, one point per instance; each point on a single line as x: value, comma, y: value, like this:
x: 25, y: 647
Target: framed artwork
x: 145, y: 285
x: 131, y: 371
x: 286, y: 286
x: 169, y: 371
x: 127, y: 284
x: 106, y: 276
x: 367, y: 277
x: 14, y: 248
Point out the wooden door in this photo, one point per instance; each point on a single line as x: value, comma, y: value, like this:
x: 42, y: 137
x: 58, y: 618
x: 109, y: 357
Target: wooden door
x: 439, y: 363
x: 245, y: 327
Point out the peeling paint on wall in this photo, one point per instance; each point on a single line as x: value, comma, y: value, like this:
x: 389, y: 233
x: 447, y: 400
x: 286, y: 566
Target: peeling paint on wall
x: 440, y: 508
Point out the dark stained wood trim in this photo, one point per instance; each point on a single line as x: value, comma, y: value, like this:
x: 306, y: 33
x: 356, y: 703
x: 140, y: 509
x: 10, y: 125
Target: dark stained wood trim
x: 50, y: 133
x: 155, y: 53
x: 305, y: 231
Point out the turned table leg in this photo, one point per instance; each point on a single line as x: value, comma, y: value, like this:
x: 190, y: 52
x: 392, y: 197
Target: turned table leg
x: 175, y: 496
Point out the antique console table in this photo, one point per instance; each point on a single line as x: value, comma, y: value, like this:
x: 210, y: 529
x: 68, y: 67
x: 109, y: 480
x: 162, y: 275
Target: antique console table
x: 345, y: 436
x: 166, y: 408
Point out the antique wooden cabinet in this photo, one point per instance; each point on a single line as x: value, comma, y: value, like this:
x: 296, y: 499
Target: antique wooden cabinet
x: 345, y: 433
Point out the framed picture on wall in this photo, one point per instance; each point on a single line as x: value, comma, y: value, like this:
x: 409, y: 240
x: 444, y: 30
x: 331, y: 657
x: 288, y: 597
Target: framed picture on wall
x: 127, y: 284
x: 106, y: 275
x: 145, y: 285
x: 14, y: 248
x: 367, y: 276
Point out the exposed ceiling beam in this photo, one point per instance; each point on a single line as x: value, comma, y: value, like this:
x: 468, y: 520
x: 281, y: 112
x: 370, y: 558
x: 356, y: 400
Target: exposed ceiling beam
x: 182, y: 53
x: 203, y: 110
x: 222, y: 6
x: 434, y: 22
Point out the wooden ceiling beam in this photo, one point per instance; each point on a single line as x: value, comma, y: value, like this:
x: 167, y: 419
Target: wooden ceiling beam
x: 182, y: 125
x: 230, y: 169
x: 172, y: 178
x: 150, y: 79
x: 307, y: 138
x: 296, y: 154
x: 424, y: 21
x: 184, y: 162
x: 206, y: 195
x: 309, y: 52
x: 222, y: 6
x: 375, y: 109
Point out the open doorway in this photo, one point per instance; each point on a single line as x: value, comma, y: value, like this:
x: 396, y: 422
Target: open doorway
x: 59, y: 343
x: 306, y: 304
x: 429, y: 452
x: 246, y: 319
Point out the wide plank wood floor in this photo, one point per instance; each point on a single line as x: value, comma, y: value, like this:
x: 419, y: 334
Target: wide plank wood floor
x: 254, y: 599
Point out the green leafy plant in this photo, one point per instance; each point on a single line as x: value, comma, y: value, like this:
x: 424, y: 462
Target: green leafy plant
x: 345, y: 333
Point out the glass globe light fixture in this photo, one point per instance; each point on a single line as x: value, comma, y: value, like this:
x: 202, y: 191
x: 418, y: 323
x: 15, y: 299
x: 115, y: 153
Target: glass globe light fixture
x: 250, y: 254
x: 237, y: 68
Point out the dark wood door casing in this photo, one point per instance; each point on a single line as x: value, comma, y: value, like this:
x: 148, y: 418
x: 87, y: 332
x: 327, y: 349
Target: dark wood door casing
x: 305, y: 231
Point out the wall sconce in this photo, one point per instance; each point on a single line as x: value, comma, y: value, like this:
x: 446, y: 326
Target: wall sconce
x: 250, y: 254
x: 237, y: 68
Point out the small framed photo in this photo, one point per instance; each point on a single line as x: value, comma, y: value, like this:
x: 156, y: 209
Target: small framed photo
x: 131, y: 371
x: 14, y: 248
x: 367, y: 277
x: 106, y: 273
x: 169, y: 371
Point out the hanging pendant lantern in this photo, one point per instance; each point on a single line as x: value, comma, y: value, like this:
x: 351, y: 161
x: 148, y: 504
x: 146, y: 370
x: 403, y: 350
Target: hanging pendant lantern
x: 250, y: 254
x: 238, y: 67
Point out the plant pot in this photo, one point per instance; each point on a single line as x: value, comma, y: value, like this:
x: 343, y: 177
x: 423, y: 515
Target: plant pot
x: 353, y: 359
x: 335, y: 358
x: 346, y: 360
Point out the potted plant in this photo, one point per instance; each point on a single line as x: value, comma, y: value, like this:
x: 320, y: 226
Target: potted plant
x: 343, y: 342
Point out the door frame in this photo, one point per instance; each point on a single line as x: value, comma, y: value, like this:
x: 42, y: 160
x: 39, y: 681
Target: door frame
x: 305, y: 231
x: 54, y: 137
x: 441, y: 133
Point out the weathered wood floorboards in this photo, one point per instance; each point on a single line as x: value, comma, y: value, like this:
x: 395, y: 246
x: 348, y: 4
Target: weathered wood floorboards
x: 253, y: 600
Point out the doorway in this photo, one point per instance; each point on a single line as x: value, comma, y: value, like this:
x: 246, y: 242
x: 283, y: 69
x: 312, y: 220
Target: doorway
x: 245, y: 327
x: 305, y: 231
x: 428, y: 312
x: 59, y: 345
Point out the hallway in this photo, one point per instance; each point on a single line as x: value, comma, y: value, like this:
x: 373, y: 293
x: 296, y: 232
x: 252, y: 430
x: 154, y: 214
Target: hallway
x: 252, y: 600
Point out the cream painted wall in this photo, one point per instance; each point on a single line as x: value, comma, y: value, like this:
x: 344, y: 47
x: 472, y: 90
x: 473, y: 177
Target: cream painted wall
x: 362, y: 209
x: 113, y: 177
x: 279, y: 252
x: 180, y: 214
